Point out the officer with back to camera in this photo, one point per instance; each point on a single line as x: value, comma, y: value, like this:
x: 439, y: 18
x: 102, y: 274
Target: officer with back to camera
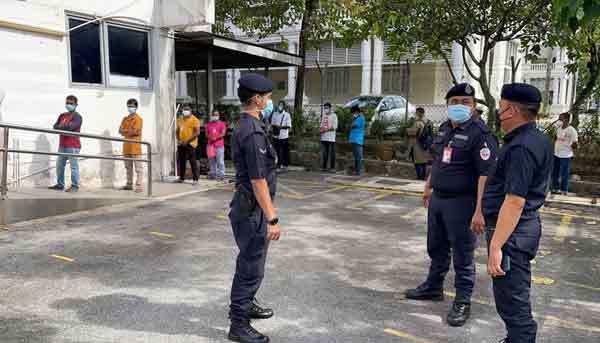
x: 253, y: 216
x: 464, y: 151
x: 515, y: 191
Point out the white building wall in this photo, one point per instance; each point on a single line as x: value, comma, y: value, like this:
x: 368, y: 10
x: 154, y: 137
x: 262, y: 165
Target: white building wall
x: 34, y: 74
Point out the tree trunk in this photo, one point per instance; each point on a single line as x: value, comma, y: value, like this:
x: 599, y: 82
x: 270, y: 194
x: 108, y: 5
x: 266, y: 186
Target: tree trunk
x: 549, y: 67
x: 309, y: 7
x: 484, y: 83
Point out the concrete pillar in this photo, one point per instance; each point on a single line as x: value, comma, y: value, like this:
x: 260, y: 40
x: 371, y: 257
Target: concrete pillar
x: 291, y: 81
x: 365, y: 58
x: 182, y: 90
x: 378, y: 55
x: 563, y: 91
x: 555, y: 96
x: 210, y: 90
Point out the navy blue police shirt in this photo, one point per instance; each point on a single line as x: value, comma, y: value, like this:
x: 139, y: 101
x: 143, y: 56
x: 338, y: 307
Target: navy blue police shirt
x: 470, y: 153
x: 253, y: 154
x: 523, y: 169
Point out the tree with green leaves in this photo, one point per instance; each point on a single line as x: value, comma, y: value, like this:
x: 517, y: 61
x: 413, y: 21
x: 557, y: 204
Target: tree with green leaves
x: 434, y: 25
x: 262, y: 18
x: 576, y: 27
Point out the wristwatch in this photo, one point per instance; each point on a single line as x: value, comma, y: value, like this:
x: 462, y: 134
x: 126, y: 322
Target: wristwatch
x: 273, y: 221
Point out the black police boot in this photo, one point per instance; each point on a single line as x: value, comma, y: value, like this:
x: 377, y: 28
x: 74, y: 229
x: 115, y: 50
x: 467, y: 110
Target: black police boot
x: 259, y: 312
x: 459, y: 313
x: 243, y: 332
x: 424, y: 293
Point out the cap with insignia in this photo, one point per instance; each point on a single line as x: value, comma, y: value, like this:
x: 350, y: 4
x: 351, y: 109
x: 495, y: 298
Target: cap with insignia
x: 521, y: 93
x: 461, y: 89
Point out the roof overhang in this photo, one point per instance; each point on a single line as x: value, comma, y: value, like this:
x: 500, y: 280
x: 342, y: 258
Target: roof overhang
x: 192, y: 50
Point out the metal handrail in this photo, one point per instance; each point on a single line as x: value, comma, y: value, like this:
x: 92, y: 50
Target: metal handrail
x: 5, y: 150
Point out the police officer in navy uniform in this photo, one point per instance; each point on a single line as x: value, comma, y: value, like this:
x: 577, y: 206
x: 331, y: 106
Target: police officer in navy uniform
x: 514, y: 193
x: 253, y: 216
x: 464, y: 152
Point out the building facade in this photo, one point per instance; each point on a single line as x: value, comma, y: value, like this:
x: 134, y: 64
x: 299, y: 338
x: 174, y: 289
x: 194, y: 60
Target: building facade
x: 103, y: 52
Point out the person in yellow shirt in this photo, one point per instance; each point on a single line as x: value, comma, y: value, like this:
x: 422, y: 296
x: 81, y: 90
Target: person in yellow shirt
x: 131, y: 128
x: 188, y: 130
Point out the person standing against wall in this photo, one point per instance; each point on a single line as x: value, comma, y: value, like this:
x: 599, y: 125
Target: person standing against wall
x: 215, y: 149
x: 131, y: 128
x: 329, y: 125
x: 281, y: 123
x: 188, y: 130
x: 357, y: 138
x: 68, y: 121
x: 566, y: 141
x: 421, y: 138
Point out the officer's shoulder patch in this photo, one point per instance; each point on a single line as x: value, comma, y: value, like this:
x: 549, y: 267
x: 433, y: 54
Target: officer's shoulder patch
x: 485, y: 153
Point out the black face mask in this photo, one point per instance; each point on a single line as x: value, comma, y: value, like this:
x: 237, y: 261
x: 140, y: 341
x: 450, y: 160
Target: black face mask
x: 498, y: 120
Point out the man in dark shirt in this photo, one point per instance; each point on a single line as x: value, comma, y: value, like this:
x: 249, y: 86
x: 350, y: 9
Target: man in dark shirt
x: 514, y: 193
x: 463, y: 153
x: 68, y: 121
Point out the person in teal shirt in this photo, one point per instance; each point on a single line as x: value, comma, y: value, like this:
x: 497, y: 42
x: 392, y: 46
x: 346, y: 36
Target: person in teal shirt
x: 357, y: 138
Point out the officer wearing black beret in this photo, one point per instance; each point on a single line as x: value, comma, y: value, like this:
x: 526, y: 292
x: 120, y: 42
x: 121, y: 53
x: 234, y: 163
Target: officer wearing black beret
x: 253, y: 216
x: 514, y: 193
x: 464, y: 152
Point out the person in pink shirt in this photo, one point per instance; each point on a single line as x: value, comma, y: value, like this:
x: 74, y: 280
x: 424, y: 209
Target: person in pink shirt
x: 215, y: 148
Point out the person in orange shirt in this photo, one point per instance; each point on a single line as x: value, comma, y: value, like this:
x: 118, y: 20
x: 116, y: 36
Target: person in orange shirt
x: 188, y: 130
x: 131, y: 128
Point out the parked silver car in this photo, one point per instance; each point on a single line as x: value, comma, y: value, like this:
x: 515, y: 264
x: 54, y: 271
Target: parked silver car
x: 388, y: 108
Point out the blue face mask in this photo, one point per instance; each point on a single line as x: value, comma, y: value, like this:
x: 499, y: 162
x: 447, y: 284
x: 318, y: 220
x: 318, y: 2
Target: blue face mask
x: 268, y: 110
x: 459, y: 113
x: 132, y: 110
x: 71, y: 108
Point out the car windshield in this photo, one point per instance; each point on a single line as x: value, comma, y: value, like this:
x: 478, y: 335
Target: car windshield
x: 364, y: 101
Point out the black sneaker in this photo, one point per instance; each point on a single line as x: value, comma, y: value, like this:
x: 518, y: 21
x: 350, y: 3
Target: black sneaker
x: 258, y: 312
x: 459, y: 314
x: 243, y: 332
x: 56, y: 188
x: 424, y: 293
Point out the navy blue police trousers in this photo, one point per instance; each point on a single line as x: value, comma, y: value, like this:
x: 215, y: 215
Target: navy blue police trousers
x: 449, y: 238
x: 251, y: 238
x: 511, y: 292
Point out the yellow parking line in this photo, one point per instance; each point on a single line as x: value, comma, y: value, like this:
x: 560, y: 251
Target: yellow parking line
x: 398, y: 333
x: 289, y: 189
x: 360, y: 204
x: 62, y: 258
x: 574, y: 284
x: 331, y: 190
x: 222, y: 215
x: 160, y: 234
x: 567, y: 324
x: 564, y: 229
x: 566, y: 214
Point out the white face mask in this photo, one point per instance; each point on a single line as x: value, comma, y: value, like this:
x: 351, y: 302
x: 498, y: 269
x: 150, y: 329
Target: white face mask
x: 214, y: 118
x: 187, y: 113
x: 327, y: 111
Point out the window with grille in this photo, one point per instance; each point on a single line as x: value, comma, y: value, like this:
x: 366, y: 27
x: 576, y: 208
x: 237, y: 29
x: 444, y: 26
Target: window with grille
x: 337, y: 82
x: 394, y: 79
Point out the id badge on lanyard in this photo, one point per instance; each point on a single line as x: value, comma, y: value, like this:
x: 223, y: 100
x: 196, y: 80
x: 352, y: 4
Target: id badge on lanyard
x: 447, y: 155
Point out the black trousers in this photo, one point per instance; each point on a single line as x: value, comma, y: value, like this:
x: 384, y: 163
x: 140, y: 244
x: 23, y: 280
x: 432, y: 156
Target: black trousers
x: 327, y: 154
x: 251, y: 238
x: 187, y: 153
x: 450, y: 239
x: 282, y: 147
x: 512, y: 291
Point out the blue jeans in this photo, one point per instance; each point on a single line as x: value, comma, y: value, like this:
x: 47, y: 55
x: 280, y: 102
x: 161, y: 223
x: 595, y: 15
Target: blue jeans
x: 61, y: 162
x: 421, y: 170
x: 217, y: 164
x: 357, y: 152
x: 560, y: 174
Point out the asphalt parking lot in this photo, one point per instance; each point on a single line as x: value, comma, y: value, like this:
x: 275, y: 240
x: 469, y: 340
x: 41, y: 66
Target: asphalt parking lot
x: 161, y: 272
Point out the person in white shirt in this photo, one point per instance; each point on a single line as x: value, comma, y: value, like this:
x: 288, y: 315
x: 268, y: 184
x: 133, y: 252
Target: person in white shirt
x: 281, y: 123
x: 328, y: 128
x: 566, y: 141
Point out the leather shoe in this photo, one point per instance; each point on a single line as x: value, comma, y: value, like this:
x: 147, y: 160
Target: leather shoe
x: 259, y: 312
x: 243, y: 332
x: 424, y: 293
x: 459, y: 313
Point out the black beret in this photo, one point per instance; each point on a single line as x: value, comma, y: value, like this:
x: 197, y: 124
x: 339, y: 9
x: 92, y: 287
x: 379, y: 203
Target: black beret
x: 462, y: 89
x: 521, y: 93
x: 256, y: 83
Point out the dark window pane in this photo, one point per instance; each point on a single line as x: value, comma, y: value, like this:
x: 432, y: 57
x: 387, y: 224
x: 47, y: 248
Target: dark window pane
x: 128, y: 52
x: 86, y: 65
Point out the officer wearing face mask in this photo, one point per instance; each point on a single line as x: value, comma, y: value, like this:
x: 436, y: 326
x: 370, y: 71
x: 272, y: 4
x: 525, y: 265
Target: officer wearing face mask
x: 253, y: 216
x: 463, y: 153
x: 516, y: 190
